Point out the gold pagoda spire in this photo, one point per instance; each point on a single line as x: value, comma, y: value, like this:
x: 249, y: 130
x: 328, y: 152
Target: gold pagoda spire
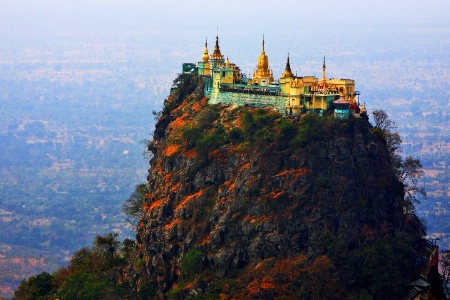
x: 205, y: 56
x: 216, y: 53
x: 287, y: 71
x: 263, y: 63
x: 263, y: 43
x: 263, y: 74
x: 324, y: 78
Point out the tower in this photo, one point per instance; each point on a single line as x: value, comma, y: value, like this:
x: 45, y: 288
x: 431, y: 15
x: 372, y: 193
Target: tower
x: 286, y: 78
x: 204, y: 66
x: 263, y: 75
x: 205, y: 56
x: 324, y: 78
x: 287, y: 70
x: 217, y: 57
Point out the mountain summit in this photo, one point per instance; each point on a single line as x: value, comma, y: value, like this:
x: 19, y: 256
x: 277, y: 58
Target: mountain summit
x: 244, y: 202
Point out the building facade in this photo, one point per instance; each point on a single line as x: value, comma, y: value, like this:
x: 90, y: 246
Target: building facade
x: 290, y: 94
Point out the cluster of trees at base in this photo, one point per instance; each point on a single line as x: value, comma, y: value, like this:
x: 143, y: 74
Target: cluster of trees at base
x: 97, y: 272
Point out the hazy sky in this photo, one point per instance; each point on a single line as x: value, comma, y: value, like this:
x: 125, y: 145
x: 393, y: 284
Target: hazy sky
x: 179, y: 27
x: 228, y: 15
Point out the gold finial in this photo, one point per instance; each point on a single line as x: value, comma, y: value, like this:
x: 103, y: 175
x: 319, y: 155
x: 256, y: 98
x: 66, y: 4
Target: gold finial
x: 324, y: 78
x: 287, y: 71
x: 205, y: 56
x: 263, y: 43
x: 216, y: 54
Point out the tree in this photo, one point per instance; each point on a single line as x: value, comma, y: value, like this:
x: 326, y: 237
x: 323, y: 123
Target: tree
x: 409, y: 169
x: 133, y: 207
x: 382, y: 121
x: 105, y: 249
x: 444, y: 266
x: 409, y: 173
x: 37, y: 287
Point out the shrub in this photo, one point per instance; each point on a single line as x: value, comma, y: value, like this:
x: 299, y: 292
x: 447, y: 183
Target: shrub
x: 208, y: 143
x: 235, y: 135
x: 192, y: 263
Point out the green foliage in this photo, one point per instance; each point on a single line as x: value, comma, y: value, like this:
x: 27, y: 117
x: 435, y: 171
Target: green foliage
x: 258, y: 126
x: 84, y: 286
x: 191, y: 135
x: 207, y: 116
x: 386, y: 265
x: 235, y: 135
x: 175, y: 294
x: 288, y: 130
x: 365, y: 295
x: 192, y: 263
x: 37, y: 287
x: 322, y: 182
x: 146, y: 288
x: 207, y: 144
x: 92, y: 273
x: 309, y: 130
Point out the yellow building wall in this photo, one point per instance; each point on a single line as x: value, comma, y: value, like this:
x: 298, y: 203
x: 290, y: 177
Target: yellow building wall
x: 344, y: 87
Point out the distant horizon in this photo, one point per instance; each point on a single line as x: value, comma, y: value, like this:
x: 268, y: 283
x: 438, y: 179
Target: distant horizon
x: 204, y: 16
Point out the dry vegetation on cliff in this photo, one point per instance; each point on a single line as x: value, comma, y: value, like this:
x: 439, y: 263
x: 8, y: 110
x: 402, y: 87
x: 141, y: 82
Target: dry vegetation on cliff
x: 243, y: 202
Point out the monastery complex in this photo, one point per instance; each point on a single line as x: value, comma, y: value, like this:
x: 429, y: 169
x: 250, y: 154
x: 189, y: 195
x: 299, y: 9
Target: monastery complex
x: 290, y: 94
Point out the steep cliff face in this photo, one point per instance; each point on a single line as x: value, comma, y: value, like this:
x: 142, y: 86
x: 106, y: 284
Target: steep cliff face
x: 243, y: 202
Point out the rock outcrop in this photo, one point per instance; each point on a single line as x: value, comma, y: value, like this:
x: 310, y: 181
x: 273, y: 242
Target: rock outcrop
x: 244, y: 203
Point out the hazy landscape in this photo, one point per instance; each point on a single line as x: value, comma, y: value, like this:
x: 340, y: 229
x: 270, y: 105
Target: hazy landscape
x: 79, y: 81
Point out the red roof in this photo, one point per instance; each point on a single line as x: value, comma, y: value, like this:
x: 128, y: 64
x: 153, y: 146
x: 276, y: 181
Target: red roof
x: 341, y: 101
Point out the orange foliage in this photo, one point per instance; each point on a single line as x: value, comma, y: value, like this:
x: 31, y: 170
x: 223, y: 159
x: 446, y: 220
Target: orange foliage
x: 237, y: 123
x: 190, y: 285
x: 175, y: 187
x: 141, y: 224
x: 245, y: 166
x: 167, y: 177
x: 224, y: 200
x: 155, y: 204
x: 271, y: 276
x: 171, y: 224
x: 276, y: 194
x: 169, y: 150
x: 190, y: 154
x: 158, y: 168
x: 205, y: 240
x: 178, y: 122
x: 228, y: 182
x: 268, y: 283
x: 215, y: 153
x: 253, y: 287
x: 189, y: 198
x: 199, y: 104
x: 196, y: 106
x: 204, y: 101
x: 295, y: 172
x: 224, y: 296
x: 255, y: 220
